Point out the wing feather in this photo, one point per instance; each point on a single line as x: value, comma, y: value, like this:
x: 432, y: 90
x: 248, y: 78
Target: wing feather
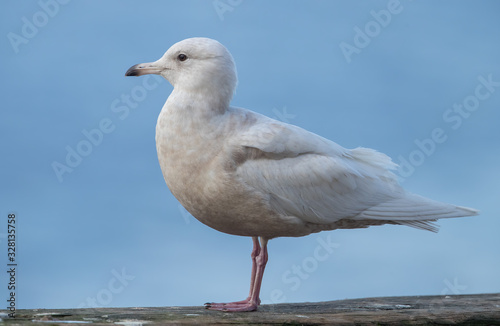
x: 317, y: 180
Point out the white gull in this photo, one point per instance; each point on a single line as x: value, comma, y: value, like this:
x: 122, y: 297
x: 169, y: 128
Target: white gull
x: 245, y: 174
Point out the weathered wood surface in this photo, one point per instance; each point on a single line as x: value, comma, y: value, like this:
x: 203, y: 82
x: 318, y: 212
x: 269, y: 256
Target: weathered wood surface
x: 481, y: 309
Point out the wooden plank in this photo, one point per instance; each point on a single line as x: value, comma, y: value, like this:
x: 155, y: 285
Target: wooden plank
x: 480, y: 309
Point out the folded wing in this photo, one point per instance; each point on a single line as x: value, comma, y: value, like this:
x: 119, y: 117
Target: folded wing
x: 318, y: 181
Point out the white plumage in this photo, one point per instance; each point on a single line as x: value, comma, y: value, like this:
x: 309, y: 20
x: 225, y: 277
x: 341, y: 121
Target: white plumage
x: 246, y: 174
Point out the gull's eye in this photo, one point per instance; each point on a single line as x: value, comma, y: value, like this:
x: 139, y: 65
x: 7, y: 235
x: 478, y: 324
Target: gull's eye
x: 182, y: 57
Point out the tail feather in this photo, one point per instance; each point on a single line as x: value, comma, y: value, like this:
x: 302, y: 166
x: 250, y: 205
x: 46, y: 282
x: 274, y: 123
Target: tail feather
x: 415, y: 211
x: 422, y: 225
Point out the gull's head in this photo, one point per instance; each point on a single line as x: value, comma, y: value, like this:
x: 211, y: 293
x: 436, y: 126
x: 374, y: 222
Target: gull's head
x: 195, y: 64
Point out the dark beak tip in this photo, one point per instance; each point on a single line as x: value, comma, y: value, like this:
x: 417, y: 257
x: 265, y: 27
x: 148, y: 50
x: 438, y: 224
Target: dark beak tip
x: 132, y: 71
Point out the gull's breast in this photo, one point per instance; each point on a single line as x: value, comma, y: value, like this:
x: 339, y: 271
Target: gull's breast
x: 200, y: 174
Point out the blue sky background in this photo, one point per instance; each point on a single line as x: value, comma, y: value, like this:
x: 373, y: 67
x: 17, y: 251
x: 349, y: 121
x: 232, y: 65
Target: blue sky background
x: 109, y: 233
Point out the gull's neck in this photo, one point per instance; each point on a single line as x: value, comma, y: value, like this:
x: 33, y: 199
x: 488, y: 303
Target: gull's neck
x: 199, y: 103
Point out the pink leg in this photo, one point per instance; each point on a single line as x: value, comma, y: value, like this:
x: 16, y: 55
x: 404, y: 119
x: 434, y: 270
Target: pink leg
x: 255, y: 252
x: 259, y: 260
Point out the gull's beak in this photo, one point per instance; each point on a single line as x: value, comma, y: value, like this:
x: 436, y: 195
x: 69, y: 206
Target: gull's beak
x: 144, y: 69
